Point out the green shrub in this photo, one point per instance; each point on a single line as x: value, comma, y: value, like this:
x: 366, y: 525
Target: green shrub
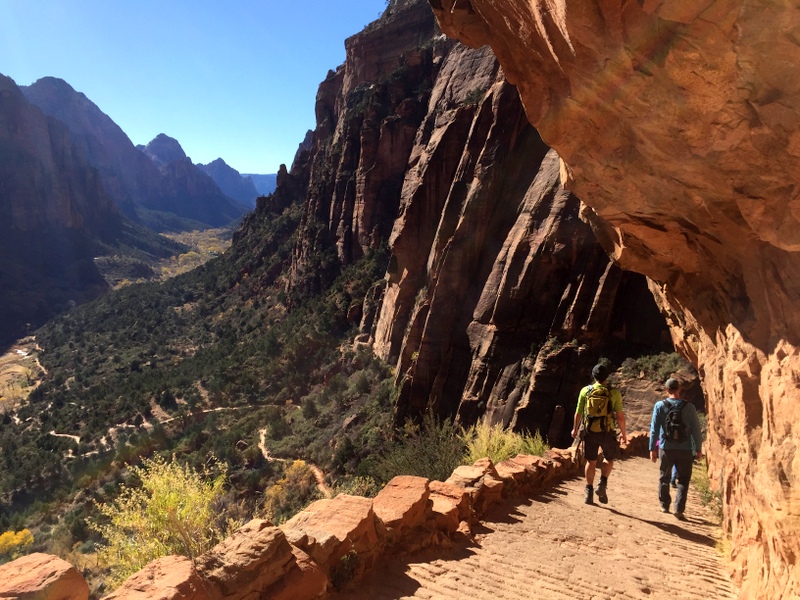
x: 474, y: 96
x: 493, y: 441
x: 344, y: 570
x: 174, y: 511
x: 656, y: 367
x: 358, y: 486
x: 432, y: 449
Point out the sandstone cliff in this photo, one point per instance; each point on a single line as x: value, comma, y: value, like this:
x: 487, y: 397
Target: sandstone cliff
x: 677, y: 125
x: 497, y: 298
x: 52, y: 203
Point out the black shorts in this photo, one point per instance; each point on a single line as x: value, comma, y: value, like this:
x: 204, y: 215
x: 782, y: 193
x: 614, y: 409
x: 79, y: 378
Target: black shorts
x: 605, y: 440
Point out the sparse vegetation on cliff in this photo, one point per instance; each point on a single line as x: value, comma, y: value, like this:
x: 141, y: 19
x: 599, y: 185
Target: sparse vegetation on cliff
x: 657, y: 367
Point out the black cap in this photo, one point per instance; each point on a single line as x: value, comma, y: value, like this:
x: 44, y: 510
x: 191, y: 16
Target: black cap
x: 672, y: 384
x: 600, y: 372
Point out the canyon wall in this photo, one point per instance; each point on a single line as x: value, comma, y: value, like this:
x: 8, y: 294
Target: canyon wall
x: 53, y: 207
x: 677, y: 126
x: 498, y: 299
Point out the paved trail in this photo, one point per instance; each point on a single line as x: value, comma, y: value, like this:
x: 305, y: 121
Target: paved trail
x: 553, y: 547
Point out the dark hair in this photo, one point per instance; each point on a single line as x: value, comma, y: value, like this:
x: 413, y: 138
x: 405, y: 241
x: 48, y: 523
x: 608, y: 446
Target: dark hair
x: 672, y: 384
x: 600, y: 372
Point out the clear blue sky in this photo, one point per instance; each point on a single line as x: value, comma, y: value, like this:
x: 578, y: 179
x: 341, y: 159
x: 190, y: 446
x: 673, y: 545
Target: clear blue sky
x: 234, y: 79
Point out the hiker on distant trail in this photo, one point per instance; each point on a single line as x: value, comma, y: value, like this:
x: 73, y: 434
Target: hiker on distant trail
x: 676, y: 438
x: 598, y: 405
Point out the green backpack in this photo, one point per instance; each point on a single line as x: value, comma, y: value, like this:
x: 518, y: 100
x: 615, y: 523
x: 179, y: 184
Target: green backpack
x: 598, y: 408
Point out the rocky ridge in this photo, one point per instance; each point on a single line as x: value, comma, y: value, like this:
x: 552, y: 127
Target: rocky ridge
x: 676, y: 124
x: 157, y: 177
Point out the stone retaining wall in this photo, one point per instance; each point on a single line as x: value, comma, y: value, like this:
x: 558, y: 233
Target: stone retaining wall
x: 329, y: 545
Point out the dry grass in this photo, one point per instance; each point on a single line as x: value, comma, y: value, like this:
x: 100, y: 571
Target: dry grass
x: 498, y: 444
x: 20, y: 371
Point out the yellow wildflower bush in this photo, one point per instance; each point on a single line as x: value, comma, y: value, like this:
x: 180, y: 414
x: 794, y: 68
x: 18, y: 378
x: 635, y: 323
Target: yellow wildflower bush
x: 12, y: 544
x: 295, y: 490
x: 174, y: 511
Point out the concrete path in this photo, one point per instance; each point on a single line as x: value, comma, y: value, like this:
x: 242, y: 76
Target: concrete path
x: 554, y: 547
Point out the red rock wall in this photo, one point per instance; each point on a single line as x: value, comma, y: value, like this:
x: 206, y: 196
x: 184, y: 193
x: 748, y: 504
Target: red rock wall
x: 422, y: 143
x: 677, y: 126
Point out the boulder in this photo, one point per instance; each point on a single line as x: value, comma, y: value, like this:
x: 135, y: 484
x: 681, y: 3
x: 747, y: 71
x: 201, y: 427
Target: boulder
x: 331, y: 530
x: 166, y: 578
x: 305, y: 580
x: 247, y: 563
x: 447, y: 497
x: 42, y: 577
x: 482, y: 481
x: 403, y: 504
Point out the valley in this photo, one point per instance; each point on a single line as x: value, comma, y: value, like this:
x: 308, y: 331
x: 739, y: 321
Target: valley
x: 442, y: 252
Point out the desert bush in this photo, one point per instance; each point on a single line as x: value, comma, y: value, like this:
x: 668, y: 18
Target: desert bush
x: 173, y: 511
x: 358, y: 486
x: 493, y: 441
x: 293, y: 492
x: 432, y: 449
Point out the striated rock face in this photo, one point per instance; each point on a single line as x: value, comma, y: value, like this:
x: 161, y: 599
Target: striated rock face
x: 677, y: 126
x: 126, y: 173
x: 422, y: 144
x: 53, y: 209
x: 46, y: 180
x: 493, y: 275
x: 368, y: 112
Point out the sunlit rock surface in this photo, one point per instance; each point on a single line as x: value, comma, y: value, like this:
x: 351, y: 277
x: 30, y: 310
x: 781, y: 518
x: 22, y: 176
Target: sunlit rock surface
x: 677, y: 124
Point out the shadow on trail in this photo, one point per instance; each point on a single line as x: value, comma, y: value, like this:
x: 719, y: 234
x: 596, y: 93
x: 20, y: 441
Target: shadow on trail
x: 671, y: 528
x: 508, y: 512
x: 396, y: 583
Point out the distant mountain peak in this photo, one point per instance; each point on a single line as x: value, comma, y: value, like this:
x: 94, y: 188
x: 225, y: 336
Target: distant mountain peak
x: 231, y: 182
x: 163, y: 149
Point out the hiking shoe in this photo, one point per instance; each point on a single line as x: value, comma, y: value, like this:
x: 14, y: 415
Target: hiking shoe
x: 679, y: 516
x: 664, y: 509
x: 589, y: 496
x: 600, y: 490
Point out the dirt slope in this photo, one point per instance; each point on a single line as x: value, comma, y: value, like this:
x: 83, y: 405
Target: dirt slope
x: 555, y: 547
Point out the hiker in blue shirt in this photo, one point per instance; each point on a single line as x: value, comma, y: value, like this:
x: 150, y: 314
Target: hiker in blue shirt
x: 675, y: 438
